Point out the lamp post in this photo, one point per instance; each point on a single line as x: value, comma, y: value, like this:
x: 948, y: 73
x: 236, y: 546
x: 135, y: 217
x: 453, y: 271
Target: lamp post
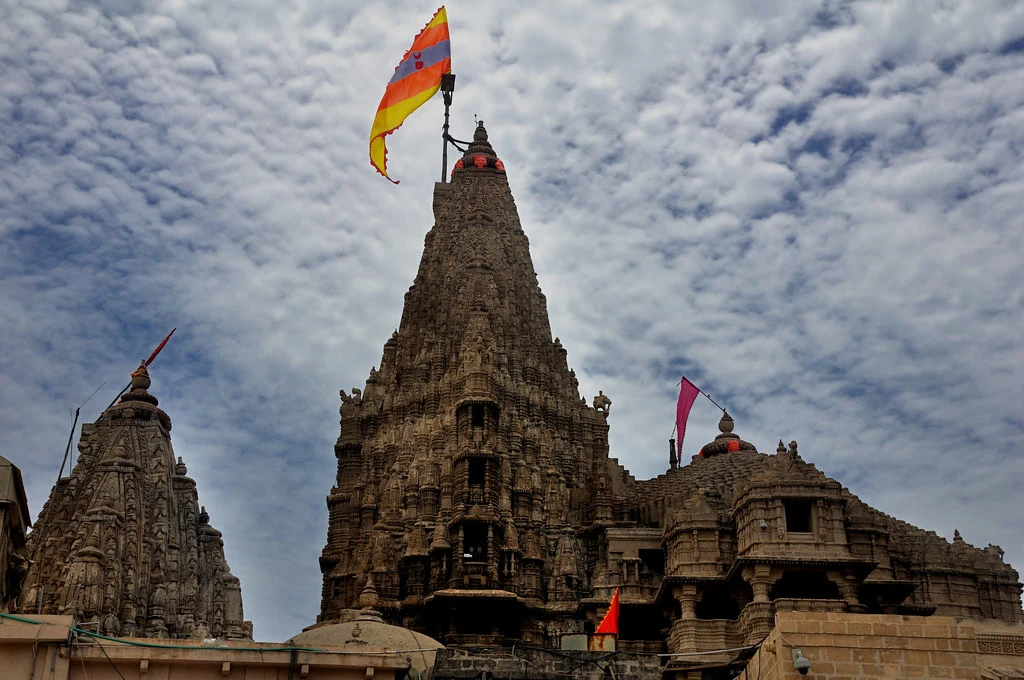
x: 447, y: 89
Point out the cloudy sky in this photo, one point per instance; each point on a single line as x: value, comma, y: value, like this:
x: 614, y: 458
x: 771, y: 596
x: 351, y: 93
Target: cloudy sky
x: 812, y: 209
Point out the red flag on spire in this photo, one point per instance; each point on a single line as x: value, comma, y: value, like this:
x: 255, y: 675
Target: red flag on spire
x: 687, y: 395
x: 610, y: 622
x: 159, y: 347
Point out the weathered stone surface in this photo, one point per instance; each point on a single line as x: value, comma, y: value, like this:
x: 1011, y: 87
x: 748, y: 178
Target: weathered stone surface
x: 14, y: 523
x: 123, y: 543
x: 541, y: 664
x: 476, y: 501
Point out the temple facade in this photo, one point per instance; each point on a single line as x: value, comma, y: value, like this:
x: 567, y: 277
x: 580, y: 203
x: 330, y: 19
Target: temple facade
x: 123, y: 545
x: 476, y: 501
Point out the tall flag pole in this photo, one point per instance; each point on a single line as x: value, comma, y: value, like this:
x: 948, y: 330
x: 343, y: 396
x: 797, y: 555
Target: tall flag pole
x: 417, y: 78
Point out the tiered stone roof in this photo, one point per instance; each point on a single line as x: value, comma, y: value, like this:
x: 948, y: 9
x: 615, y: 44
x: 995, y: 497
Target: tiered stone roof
x: 123, y: 542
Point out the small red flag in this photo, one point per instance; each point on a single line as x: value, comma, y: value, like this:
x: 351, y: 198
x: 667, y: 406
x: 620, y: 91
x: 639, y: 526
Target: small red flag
x: 159, y: 347
x: 687, y: 395
x: 610, y: 622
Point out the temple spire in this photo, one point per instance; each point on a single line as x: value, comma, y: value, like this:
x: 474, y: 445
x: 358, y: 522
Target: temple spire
x: 476, y: 390
x: 123, y: 543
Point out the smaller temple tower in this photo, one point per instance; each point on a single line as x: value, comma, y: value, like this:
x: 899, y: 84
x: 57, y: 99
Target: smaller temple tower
x: 123, y: 542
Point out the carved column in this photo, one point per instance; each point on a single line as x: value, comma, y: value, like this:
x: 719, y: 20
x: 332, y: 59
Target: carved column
x: 757, y: 618
x: 761, y: 580
x: 847, y: 585
x: 686, y: 596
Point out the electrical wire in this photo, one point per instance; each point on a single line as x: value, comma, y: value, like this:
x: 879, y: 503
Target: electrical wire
x: 783, y: 637
x: 81, y: 657
x: 112, y: 664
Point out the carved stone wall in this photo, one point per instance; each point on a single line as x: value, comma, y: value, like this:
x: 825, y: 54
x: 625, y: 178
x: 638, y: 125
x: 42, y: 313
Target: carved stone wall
x: 747, y: 535
x: 123, y: 542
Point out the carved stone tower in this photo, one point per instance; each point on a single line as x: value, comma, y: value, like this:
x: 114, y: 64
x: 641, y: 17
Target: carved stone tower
x: 123, y: 542
x: 476, y: 502
x: 469, y: 463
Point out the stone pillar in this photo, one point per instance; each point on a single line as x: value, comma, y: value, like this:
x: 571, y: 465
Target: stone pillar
x: 847, y: 585
x: 492, y: 559
x: 457, y: 556
x: 686, y: 596
x: 757, y: 616
x: 761, y: 579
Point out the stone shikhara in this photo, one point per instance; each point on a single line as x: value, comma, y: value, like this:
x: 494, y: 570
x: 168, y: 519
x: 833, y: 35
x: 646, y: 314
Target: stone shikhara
x: 122, y: 543
x: 476, y: 500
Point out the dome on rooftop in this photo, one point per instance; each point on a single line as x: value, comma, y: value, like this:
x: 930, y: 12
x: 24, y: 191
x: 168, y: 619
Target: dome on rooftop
x: 369, y: 630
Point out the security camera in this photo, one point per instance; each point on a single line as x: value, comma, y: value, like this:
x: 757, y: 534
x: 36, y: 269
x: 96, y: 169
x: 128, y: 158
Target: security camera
x: 800, y: 662
x: 764, y: 525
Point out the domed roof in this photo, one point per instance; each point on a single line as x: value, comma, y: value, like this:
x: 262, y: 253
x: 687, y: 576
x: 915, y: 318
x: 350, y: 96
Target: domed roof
x: 480, y: 154
x: 727, y: 442
x: 369, y: 630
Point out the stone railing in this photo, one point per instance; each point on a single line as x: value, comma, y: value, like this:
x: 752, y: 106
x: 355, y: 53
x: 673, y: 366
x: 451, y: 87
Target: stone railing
x: 756, y: 621
x: 641, y: 646
x: 797, y: 604
x: 694, y: 635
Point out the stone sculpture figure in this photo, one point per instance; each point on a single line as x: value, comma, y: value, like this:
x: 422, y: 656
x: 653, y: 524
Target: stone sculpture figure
x: 602, y: 402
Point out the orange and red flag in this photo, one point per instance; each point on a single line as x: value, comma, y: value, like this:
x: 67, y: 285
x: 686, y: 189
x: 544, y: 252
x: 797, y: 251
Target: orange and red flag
x: 159, y: 347
x: 610, y: 622
x: 417, y: 78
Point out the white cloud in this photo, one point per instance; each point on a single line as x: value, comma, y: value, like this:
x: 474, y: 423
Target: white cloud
x: 809, y: 211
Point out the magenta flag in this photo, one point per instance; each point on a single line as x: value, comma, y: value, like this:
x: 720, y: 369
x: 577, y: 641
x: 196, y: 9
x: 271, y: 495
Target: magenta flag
x: 687, y: 395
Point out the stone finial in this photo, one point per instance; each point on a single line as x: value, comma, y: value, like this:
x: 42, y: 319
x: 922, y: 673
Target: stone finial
x: 480, y: 154
x: 180, y: 468
x: 139, y: 384
x: 793, y: 449
x: 204, y: 517
x: 956, y: 536
x: 781, y: 449
x: 369, y: 597
x: 726, y: 441
x: 140, y: 377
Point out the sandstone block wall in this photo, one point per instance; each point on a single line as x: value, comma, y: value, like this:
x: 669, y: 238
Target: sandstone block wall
x: 841, y: 646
